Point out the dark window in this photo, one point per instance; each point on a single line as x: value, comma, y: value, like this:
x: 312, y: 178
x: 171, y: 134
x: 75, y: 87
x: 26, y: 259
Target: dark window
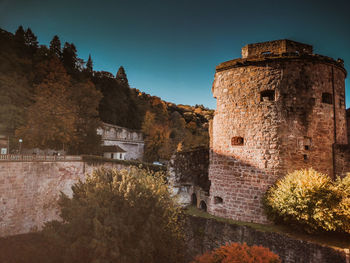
x: 194, y: 200
x: 236, y: 140
x: 327, y: 98
x: 267, y: 95
x: 120, y: 156
x: 112, y: 155
x: 218, y: 200
x: 203, y: 206
x: 305, y: 157
x: 306, y: 147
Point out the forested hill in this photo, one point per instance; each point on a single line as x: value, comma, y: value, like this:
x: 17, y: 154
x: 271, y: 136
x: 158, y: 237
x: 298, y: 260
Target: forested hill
x: 54, y: 99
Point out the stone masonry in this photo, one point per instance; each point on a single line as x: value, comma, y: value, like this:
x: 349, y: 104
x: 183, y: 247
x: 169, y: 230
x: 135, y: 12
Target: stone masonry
x: 279, y: 108
x: 29, y: 191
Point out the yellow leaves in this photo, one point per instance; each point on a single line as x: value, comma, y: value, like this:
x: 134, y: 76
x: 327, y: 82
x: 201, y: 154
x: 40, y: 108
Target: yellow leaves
x: 312, y: 199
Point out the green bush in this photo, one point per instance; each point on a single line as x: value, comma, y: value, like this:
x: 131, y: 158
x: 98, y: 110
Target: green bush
x: 311, y: 201
x: 125, y: 216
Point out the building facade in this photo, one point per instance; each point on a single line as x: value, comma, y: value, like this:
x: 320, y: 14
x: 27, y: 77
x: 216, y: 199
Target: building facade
x: 130, y: 142
x: 279, y: 108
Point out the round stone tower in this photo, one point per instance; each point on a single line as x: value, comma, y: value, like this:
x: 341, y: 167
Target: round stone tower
x: 279, y: 108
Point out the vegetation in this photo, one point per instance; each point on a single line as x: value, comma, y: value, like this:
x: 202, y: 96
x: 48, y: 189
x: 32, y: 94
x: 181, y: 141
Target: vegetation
x: 73, y: 99
x: 311, y: 201
x: 119, y: 216
x: 239, y: 253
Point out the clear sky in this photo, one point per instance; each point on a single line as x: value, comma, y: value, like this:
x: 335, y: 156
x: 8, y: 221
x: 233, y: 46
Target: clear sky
x: 170, y: 48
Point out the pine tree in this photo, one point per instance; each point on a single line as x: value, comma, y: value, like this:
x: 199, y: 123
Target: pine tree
x: 19, y: 35
x: 30, y: 39
x: 89, y: 65
x: 55, y: 46
x: 121, y: 76
x: 70, y: 57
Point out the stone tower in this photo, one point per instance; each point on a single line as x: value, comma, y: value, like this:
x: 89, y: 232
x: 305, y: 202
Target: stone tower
x: 279, y: 108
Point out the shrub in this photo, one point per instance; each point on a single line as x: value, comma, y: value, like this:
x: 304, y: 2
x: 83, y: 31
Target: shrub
x: 310, y: 200
x: 119, y: 216
x: 238, y: 253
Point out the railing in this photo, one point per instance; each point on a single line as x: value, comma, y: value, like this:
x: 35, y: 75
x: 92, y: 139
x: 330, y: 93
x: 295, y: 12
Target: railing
x: 19, y: 157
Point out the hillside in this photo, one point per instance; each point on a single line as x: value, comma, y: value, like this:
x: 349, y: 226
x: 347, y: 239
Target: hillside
x: 52, y: 98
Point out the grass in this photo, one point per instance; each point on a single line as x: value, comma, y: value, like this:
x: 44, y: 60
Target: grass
x: 334, y: 240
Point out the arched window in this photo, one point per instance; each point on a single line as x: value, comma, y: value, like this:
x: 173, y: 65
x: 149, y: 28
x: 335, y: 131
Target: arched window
x: 203, y: 206
x: 237, y: 141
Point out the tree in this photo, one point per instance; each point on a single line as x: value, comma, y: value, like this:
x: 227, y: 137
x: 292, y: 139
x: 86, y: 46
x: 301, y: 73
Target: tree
x: 238, y: 253
x: 157, y: 144
x: 55, y: 46
x: 69, y: 56
x: 30, y: 39
x: 19, y: 35
x: 121, y: 76
x: 51, y: 119
x: 86, y: 99
x: 14, y: 99
x: 125, y: 216
x: 89, y: 65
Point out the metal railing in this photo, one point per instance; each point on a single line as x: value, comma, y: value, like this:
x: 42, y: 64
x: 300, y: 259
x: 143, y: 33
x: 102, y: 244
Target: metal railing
x: 20, y: 157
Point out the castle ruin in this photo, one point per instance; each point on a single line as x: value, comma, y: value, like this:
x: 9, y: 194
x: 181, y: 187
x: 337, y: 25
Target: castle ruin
x: 279, y: 108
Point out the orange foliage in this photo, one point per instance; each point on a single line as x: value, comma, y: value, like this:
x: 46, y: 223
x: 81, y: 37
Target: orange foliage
x: 238, y: 253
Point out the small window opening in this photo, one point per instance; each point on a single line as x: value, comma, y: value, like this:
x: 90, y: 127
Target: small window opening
x: 305, y: 157
x: 267, y: 95
x: 306, y: 147
x: 112, y: 155
x: 327, y: 98
x: 194, y: 200
x: 121, y: 156
x: 266, y: 53
x: 237, y: 141
x: 203, y: 206
x: 218, y: 200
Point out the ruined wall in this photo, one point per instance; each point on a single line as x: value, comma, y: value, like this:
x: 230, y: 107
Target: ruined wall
x: 274, y: 115
x: 29, y: 191
x: 188, y: 175
x: 204, y: 234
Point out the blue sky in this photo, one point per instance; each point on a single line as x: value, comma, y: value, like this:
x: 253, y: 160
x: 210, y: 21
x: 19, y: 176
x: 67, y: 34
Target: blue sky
x: 170, y: 48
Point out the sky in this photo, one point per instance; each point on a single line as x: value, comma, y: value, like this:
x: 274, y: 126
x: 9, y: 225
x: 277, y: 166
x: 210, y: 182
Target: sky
x: 170, y: 49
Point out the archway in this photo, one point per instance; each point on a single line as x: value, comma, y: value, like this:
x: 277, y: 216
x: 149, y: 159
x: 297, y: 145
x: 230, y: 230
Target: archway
x: 203, y: 206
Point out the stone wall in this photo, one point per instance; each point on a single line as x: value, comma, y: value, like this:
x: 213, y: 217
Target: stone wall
x: 188, y: 176
x: 274, y: 114
x: 206, y: 234
x: 29, y: 191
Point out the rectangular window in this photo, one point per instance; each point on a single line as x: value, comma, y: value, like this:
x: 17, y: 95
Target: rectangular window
x: 267, y: 95
x: 327, y: 98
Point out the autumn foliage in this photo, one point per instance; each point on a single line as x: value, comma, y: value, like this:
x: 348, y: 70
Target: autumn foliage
x: 311, y: 201
x: 238, y: 253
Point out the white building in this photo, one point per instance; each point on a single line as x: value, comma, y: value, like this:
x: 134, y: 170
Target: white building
x: 130, y: 142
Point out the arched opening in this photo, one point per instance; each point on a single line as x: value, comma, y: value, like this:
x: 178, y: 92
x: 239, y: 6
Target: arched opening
x: 203, y: 206
x: 194, y: 199
x: 237, y: 141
